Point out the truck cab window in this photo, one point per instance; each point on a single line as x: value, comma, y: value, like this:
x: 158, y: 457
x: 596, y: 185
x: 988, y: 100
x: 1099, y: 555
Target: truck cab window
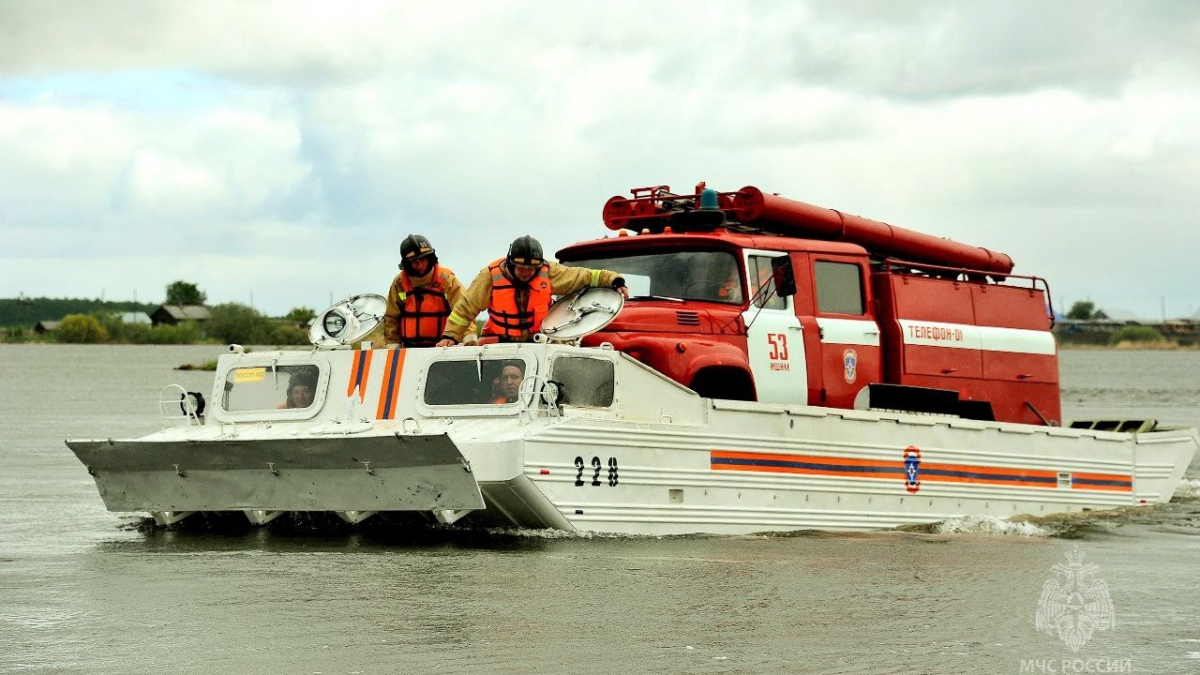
x: 762, y: 283
x: 839, y: 288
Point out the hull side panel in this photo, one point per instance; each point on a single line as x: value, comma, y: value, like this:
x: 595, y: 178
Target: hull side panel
x: 838, y: 472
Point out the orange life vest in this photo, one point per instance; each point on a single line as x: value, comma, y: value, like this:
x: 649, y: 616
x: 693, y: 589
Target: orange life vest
x: 505, y: 318
x: 424, y: 310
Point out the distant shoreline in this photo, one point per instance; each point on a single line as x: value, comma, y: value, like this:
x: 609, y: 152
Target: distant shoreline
x: 1131, y: 346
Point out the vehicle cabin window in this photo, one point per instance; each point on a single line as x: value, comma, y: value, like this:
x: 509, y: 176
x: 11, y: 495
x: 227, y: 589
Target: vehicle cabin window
x: 585, y: 381
x: 839, y: 288
x: 474, y: 382
x: 266, y: 388
x: 762, y: 284
x: 711, y: 276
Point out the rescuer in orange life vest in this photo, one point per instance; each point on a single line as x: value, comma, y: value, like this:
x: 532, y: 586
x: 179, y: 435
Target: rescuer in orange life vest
x: 420, y: 297
x: 516, y: 291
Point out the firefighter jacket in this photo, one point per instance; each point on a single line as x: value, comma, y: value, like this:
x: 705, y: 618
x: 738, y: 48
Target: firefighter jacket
x: 494, y: 289
x: 417, y: 307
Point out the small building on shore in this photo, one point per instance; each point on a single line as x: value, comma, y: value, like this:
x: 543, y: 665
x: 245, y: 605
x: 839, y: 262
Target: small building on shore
x: 173, y: 315
x: 46, y: 326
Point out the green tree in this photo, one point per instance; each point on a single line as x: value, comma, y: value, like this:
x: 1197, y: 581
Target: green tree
x: 232, y: 322
x: 1082, y: 311
x: 183, y: 293
x: 81, y: 328
x: 300, y: 315
x: 286, y: 333
x: 1137, y: 334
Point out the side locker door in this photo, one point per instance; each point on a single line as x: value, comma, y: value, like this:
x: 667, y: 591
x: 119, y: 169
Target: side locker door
x: 849, y: 333
x: 773, y: 338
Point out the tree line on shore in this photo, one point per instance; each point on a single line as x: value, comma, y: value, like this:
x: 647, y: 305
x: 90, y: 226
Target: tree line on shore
x: 1083, y: 324
x: 97, y: 321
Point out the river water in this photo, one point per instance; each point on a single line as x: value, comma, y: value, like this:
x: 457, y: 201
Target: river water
x: 83, y: 590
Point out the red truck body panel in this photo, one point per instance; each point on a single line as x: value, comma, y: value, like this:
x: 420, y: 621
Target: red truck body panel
x: 988, y: 342
x: 947, y: 316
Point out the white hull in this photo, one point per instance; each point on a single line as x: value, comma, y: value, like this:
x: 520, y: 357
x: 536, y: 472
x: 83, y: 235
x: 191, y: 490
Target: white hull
x: 842, y: 471
x: 658, y: 460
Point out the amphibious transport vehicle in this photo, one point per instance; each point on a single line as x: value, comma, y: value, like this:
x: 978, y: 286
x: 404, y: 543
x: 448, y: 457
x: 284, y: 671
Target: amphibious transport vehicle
x: 778, y: 366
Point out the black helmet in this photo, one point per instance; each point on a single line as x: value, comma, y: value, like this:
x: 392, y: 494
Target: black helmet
x: 416, y: 247
x: 525, y: 251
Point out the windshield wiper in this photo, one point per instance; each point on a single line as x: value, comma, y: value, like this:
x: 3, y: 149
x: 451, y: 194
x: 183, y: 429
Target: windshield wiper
x: 656, y: 297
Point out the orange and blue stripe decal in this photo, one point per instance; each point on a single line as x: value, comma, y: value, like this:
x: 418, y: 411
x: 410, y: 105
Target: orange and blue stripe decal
x: 987, y: 475
x: 1101, y: 481
x: 732, y: 460
x: 389, y: 392
x: 360, y: 370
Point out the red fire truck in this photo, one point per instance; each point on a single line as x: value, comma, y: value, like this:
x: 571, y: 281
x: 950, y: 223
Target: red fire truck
x: 748, y: 295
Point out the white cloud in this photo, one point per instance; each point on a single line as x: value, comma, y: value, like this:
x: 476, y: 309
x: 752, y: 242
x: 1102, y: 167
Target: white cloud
x: 286, y: 148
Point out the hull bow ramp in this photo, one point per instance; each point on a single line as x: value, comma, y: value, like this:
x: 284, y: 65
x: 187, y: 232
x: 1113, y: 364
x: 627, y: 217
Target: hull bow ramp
x: 351, y: 475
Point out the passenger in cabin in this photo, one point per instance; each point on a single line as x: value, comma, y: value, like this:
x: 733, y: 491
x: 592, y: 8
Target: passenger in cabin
x: 420, y: 298
x: 517, y: 291
x: 302, y: 389
x: 730, y: 290
x: 510, y: 381
x: 726, y: 281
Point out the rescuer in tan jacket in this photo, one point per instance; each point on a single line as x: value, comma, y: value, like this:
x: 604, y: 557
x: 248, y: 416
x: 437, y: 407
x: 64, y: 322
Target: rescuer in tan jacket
x: 517, y: 291
x: 420, y: 297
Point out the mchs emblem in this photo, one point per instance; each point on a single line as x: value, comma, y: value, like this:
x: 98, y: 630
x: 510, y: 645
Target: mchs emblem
x: 850, y: 364
x: 912, y: 469
x: 1074, y: 603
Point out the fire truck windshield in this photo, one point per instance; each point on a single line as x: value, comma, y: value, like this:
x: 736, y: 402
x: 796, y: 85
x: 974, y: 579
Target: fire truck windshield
x: 711, y: 276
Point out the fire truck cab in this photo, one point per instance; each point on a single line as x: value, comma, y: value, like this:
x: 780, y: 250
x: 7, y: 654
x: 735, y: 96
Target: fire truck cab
x: 751, y: 296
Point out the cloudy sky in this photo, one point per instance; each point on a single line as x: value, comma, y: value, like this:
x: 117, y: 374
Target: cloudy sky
x: 275, y: 153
